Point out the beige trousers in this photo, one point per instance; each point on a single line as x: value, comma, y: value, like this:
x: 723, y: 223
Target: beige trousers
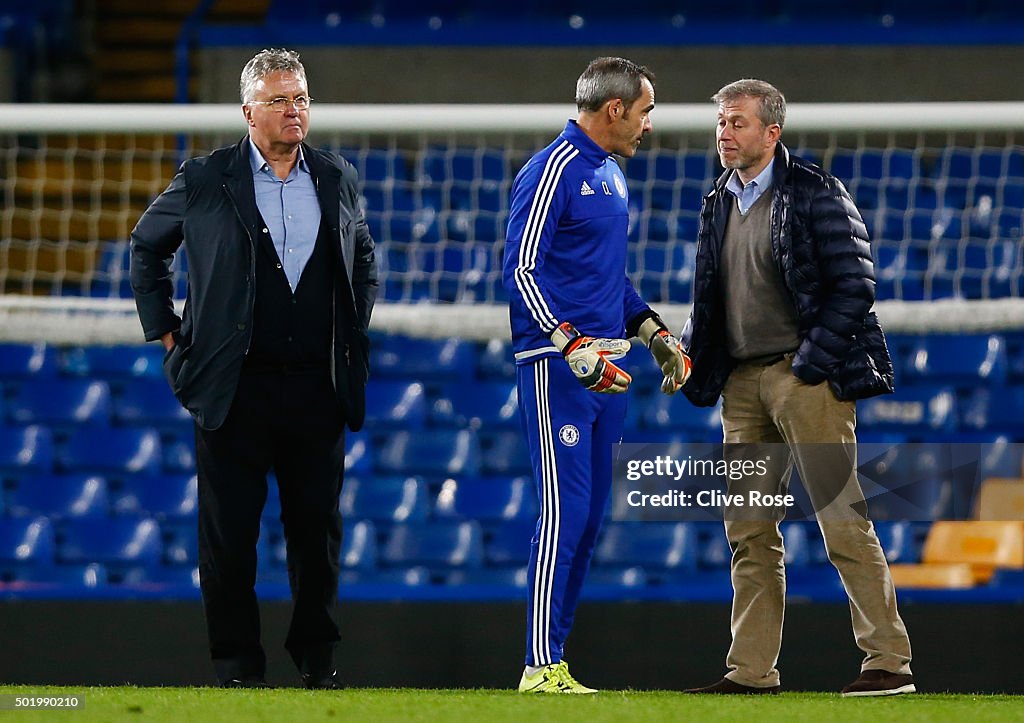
x: 768, y: 404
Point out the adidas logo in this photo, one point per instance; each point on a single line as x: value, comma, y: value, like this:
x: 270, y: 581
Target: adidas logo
x: 586, y: 190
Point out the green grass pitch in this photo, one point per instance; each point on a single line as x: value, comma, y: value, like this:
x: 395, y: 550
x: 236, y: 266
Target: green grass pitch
x: 485, y: 706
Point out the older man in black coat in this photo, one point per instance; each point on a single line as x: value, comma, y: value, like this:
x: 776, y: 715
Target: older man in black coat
x: 270, y: 357
x: 782, y: 330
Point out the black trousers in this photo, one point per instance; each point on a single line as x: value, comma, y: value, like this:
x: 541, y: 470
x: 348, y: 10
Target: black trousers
x: 289, y: 423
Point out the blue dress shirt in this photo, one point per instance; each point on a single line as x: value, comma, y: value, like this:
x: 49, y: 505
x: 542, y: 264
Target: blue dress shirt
x: 747, y: 195
x: 290, y: 210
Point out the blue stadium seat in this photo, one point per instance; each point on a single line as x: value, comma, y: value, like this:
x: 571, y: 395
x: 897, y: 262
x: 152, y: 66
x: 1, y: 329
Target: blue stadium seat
x: 375, y: 166
x: 440, y: 544
x: 801, y: 540
x: 915, y: 412
x: 179, y: 539
x: 641, y: 166
x: 114, y: 452
x: 423, y: 359
x: 112, y: 271
x: 164, y: 497
x: 480, y: 405
x: 842, y: 164
x: 890, y: 265
x: 901, y: 348
x: 359, y: 546
x: 417, y: 576
x: 963, y: 360
x: 26, y: 450
x: 504, y: 454
x: 395, y: 404
x: 487, y: 500
x: 61, y: 403
x: 797, y: 538
x: 496, y: 361
x: 626, y: 577
x: 700, y: 168
x: 905, y: 482
x: 150, y: 404
x: 358, y: 453
x: 1004, y: 578
x: 651, y: 545
x: 115, y: 362
x: 997, y: 411
x: 675, y: 414
x: 506, y: 577
x: 173, y: 580
x: 21, y: 361
x: 91, y: 576
x: 118, y: 542
x: 385, y: 499
x: 179, y: 451
x: 1015, y: 356
x: 359, y: 549
x: 26, y: 542
x: 897, y: 540
x: 434, y: 452
x: 1001, y: 458
x: 60, y: 496
x: 433, y: 166
x: 508, y: 545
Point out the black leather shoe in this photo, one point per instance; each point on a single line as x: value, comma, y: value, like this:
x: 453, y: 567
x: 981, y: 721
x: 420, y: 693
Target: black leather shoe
x: 880, y: 682
x: 322, y: 682
x: 729, y: 687
x: 245, y: 683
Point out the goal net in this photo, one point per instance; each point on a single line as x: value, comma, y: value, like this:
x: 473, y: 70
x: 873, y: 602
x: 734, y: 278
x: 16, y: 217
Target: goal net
x: 941, y: 188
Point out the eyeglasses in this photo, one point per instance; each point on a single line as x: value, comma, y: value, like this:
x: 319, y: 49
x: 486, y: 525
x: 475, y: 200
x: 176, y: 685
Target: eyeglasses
x: 280, y: 105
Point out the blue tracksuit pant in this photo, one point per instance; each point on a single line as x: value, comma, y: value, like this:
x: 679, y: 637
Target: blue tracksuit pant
x: 570, y: 432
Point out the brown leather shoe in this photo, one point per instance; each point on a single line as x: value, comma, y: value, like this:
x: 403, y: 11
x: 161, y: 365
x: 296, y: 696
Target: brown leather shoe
x: 729, y: 687
x: 880, y: 682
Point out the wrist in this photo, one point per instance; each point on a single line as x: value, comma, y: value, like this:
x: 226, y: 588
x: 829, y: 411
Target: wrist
x: 565, y: 337
x: 650, y: 328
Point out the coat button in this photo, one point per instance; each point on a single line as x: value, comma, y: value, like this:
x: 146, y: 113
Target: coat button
x: 241, y: 327
x: 266, y: 231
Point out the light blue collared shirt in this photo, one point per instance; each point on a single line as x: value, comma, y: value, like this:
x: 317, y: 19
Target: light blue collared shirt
x: 747, y: 195
x: 290, y: 210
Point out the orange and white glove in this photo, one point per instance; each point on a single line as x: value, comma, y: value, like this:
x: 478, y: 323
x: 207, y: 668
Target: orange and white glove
x: 667, y: 352
x: 590, y: 359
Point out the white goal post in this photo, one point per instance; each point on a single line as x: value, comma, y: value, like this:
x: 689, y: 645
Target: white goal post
x: 73, y: 137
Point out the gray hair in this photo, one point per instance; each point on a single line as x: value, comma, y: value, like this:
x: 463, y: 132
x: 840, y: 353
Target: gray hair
x: 609, y: 78
x: 264, y: 63
x: 771, y: 103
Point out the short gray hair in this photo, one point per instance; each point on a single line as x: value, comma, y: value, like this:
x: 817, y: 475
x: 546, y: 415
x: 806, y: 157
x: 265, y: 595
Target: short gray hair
x: 265, y: 62
x: 609, y: 78
x: 771, y: 103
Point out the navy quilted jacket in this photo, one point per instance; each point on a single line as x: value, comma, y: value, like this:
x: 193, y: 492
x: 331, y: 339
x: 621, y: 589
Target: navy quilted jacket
x: 821, y: 246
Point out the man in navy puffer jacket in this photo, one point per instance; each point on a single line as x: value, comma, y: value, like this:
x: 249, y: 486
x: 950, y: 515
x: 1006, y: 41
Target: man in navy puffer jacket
x: 782, y: 330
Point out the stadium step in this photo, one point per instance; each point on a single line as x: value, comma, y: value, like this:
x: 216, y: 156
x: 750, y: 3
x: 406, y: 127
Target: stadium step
x: 135, y: 57
x: 140, y: 60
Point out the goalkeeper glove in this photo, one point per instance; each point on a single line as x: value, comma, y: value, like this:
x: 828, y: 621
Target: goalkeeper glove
x: 590, y: 359
x: 668, y: 352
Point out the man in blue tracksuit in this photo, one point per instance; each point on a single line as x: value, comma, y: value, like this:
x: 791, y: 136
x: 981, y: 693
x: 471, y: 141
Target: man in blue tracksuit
x: 572, y: 312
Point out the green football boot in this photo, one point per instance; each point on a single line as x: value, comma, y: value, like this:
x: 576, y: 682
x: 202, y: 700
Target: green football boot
x: 554, y: 678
